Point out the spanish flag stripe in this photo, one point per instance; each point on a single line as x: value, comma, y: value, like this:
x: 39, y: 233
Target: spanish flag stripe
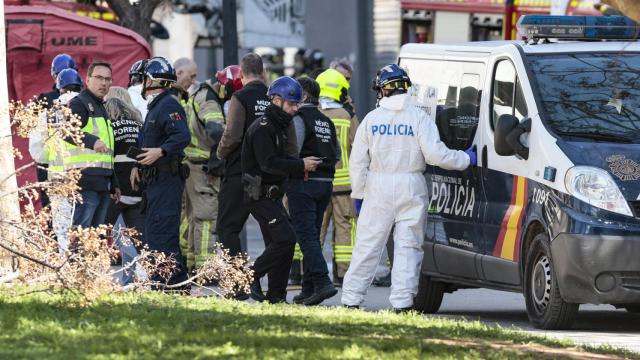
x: 497, y: 250
x: 509, y: 236
x: 516, y: 248
x: 508, y: 246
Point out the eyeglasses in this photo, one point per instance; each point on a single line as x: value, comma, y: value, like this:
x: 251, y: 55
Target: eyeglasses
x: 102, y: 78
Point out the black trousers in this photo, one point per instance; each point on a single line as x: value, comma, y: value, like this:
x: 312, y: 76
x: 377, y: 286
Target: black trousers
x: 232, y: 213
x: 279, y: 239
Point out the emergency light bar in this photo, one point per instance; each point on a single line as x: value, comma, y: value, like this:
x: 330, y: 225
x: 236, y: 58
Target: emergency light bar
x: 578, y: 27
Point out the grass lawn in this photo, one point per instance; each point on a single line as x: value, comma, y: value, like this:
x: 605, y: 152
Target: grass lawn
x: 154, y: 326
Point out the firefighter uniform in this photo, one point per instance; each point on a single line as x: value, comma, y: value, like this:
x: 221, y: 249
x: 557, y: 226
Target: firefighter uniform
x: 206, y: 124
x: 333, y: 87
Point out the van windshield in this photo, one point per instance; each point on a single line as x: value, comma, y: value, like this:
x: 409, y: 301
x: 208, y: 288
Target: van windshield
x: 586, y: 95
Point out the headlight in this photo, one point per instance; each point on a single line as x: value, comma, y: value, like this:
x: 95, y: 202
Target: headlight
x: 596, y: 187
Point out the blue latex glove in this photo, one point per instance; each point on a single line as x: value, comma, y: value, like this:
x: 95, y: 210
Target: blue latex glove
x: 357, y: 204
x: 473, y: 155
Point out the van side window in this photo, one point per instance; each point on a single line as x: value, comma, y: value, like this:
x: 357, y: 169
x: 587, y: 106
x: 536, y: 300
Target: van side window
x: 456, y: 86
x: 458, y: 108
x: 521, y: 105
x: 507, y: 93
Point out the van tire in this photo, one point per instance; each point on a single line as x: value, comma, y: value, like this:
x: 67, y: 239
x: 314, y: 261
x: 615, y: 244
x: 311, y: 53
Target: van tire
x: 430, y: 294
x: 545, y: 307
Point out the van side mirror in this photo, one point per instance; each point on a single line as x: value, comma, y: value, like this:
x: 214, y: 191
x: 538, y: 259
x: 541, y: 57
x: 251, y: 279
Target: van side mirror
x: 507, y: 136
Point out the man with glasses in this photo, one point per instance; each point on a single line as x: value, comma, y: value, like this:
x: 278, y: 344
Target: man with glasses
x: 94, y: 155
x: 266, y: 165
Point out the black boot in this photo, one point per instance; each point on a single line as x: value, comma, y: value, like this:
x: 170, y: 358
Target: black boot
x: 321, y: 294
x: 299, y: 299
x: 256, y: 291
x: 306, y: 292
x: 307, y: 289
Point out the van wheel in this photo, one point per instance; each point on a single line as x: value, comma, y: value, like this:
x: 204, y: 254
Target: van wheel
x: 429, y: 297
x: 545, y: 307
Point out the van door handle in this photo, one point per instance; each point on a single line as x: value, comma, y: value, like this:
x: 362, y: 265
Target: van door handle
x: 484, y: 158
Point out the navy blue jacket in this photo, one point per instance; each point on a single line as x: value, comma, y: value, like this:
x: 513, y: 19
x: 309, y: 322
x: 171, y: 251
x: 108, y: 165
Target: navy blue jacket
x: 166, y: 127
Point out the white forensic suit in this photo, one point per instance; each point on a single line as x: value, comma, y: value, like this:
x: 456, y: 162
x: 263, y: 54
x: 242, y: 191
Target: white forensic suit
x: 391, y: 148
x: 61, y: 207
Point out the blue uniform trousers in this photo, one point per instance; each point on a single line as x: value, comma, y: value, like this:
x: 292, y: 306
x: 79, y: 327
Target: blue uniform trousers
x: 307, y: 202
x: 162, y: 221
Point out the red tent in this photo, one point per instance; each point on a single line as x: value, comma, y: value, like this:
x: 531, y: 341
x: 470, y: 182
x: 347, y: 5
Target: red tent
x: 35, y: 34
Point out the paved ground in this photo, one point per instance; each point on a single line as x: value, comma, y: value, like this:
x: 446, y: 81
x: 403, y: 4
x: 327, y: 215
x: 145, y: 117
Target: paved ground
x: 595, y: 324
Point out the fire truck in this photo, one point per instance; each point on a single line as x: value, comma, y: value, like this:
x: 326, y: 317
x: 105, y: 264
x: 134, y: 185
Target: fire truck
x: 37, y: 33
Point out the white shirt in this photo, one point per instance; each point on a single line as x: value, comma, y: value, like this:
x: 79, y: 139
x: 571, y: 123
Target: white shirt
x: 136, y: 97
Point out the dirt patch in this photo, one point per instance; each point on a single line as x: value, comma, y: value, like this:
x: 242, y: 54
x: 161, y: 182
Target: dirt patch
x: 535, y: 350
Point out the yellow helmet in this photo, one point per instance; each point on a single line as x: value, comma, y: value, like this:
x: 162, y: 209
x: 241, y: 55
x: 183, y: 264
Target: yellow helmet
x: 333, y: 85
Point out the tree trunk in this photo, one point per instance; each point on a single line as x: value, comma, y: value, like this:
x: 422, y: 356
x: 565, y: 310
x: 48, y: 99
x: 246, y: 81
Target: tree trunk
x: 9, y: 206
x: 630, y: 8
x: 136, y: 17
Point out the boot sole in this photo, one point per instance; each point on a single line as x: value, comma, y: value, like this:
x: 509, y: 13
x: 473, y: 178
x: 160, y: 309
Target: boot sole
x: 322, y: 298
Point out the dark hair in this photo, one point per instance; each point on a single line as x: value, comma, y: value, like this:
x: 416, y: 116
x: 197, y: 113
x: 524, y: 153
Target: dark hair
x: 97, y: 63
x: 311, y: 88
x: 72, y: 87
x: 251, y: 64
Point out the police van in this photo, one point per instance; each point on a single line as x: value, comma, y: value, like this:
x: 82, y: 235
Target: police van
x: 553, y: 208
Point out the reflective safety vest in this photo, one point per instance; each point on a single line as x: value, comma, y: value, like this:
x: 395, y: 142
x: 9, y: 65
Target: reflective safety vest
x: 342, y: 167
x: 346, y: 127
x: 78, y: 157
x: 202, y: 108
x: 55, y: 158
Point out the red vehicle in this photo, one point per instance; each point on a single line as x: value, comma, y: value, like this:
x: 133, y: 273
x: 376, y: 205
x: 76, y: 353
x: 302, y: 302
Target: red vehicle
x: 426, y: 21
x: 35, y: 34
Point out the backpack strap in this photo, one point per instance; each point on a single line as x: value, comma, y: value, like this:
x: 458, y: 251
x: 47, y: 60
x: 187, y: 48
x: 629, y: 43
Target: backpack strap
x: 210, y: 95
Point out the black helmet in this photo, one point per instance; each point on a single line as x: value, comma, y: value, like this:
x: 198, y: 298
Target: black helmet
x: 136, y: 73
x: 313, y: 58
x: 160, y: 69
x: 391, y: 77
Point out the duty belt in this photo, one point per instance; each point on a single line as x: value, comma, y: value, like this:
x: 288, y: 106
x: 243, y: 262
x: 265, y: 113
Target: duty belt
x: 150, y: 173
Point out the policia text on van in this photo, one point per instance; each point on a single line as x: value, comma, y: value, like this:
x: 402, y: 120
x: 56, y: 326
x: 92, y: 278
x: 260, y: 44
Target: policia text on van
x: 553, y: 208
